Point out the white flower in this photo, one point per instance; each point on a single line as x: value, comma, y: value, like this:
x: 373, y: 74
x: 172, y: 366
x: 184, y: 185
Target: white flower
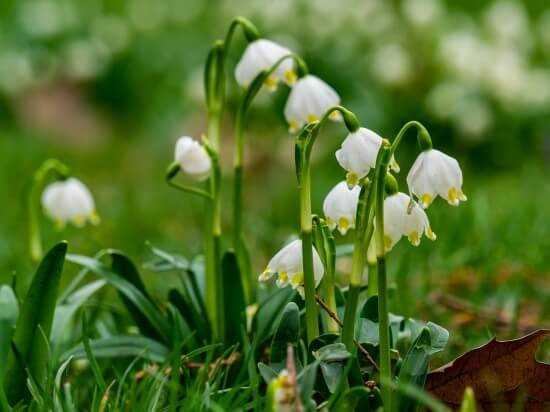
x: 192, y: 158
x: 358, y: 153
x: 69, y: 201
x: 287, y: 265
x: 434, y: 173
x: 340, y: 207
x: 261, y: 55
x: 308, y: 101
x: 404, y: 217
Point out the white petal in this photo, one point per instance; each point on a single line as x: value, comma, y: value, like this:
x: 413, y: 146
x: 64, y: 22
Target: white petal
x: 340, y: 205
x: 68, y: 201
x: 309, y: 100
x: 261, y: 55
x: 359, y: 151
x: 192, y: 158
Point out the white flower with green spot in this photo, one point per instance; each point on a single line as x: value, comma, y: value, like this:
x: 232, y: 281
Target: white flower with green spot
x: 287, y: 265
x: 69, y: 201
x: 340, y: 207
x: 192, y: 158
x: 308, y: 101
x: 261, y: 55
x: 404, y: 217
x: 436, y: 174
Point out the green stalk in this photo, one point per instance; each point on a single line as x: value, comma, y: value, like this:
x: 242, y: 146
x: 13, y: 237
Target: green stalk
x: 50, y: 166
x: 383, y: 325
x: 212, y: 245
x: 329, y: 284
x: 372, y: 288
x: 312, y: 325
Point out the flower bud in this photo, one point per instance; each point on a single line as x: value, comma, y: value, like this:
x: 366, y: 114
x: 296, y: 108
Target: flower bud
x: 261, y: 55
x: 340, y: 207
x: 69, y: 201
x: 192, y: 158
x: 287, y: 265
x: 435, y: 173
x: 308, y: 101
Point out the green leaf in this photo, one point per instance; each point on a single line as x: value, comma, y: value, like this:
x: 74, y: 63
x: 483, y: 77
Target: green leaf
x: 306, y: 381
x: 351, y: 399
x: 332, y: 362
x: 288, y: 331
x: 65, y: 312
x: 439, y: 337
x: 126, y: 269
x: 121, y: 347
x: 370, y: 309
x: 9, y: 311
x: 233, y: 298
x: 414, y: 368
x: 36, y: 313
x: 144, y: 305
x: 268, y: 373
x: 268, y: 312
x: 189, y: 313
x: 323, y: 340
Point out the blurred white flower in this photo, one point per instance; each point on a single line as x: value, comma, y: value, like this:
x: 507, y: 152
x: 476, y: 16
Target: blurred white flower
x: 46, y: 18
x: 340, y: 207
x: 358, y: 152
x: 505, y: 76
x: 443, y: 98
x: 85, y: 58
x: 147, y: 15
x: 261, y: 55
x: 536, y: 89
x: 465, y: 54
x: 69, y: 201
x: 404, y: 217
x: 391, y: 65
x: 287, y: 265
x: 112, y: 31
x: 473, y: 117
x: 283, y: 393
x: 422, y: 13
x: 308, y: 101
x: 435, y: 173
x: 192, y: 158
x: 508, y: 22
x: 16, y: 71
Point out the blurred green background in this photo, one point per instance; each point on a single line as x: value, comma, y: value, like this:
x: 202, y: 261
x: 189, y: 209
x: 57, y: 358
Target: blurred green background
x: 108, y: 86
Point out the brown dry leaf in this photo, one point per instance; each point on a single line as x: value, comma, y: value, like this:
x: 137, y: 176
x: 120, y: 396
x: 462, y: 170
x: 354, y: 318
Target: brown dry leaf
x: 501, y: 373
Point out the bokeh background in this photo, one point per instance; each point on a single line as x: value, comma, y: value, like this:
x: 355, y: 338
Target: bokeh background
x: 108, y: 86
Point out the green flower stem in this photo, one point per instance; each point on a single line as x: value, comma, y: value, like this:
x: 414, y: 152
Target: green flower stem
x: 304, y: 146
x: 240, y: 127
x: 383, y: 325
x: 423, y: 137
x: 214, y: 280
x: 49, y: 167
x: 329, y: 284
x: 312, y: 325
x: 372, y: 288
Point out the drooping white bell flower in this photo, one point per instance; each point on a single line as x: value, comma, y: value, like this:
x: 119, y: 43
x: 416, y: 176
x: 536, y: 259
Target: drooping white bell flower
x: 69, y: 201
x: 404, y: 217
x: 308, y: 101
x: 287, y: 265
x: 261, y: 55
x: 192, y: 158
x: 340, y: 207
x: 435, y: 173
x: 358, y: 153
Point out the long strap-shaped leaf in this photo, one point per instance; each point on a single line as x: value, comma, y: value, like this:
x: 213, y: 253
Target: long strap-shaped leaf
x: 36, y: 313
x: 132, y: 293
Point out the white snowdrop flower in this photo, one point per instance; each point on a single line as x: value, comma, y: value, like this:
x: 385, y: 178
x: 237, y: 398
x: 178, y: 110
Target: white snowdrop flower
x: 287, y: 265
x: 422, y: 13
x: 69, y: 201
x: 192, y: 158
x: 261, y: 55
x: 391, y: 65
x: 358, y: 153
x: 340, y: 207
x: 404, y: 217
x: 435, y: 173
x: 308, y: 101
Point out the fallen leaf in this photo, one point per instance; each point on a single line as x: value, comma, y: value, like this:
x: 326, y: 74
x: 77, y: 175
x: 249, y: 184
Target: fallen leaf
x: 501, y: 373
